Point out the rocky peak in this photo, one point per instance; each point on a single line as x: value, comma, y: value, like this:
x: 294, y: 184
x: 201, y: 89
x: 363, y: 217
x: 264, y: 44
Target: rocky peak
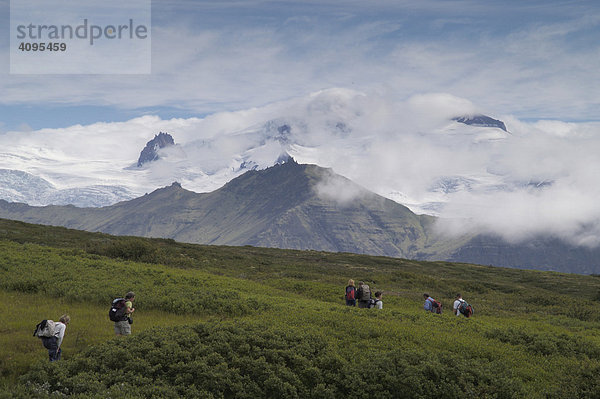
x: 480, y: 120
x: 284, y: 158
x: 150, y: 152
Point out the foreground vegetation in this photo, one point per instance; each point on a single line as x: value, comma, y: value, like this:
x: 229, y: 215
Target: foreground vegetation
x: 250, y: 322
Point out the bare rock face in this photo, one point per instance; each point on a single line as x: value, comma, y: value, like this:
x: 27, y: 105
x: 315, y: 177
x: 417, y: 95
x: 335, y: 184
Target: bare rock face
x: 150, y: 152
x: 481, y: 121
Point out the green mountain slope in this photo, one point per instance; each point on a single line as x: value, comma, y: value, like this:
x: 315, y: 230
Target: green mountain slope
x: 214, y: 321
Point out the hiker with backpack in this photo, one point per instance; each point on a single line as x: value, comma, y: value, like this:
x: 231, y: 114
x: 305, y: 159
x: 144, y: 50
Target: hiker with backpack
x: 461, y: 307
x: 120, y: 312
x: 431, y: 305
x: 350, y: 293
x: 52, y: 334
x: 376, y: 303
x: 363, y: 295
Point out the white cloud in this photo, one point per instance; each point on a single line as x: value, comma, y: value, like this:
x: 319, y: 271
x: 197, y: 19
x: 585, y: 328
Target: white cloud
x: 550, y: 185
x: 211, y: 56
x: 336, y: 188
x: 542, y: 177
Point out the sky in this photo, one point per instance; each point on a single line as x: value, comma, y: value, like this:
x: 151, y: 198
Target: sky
x: 530, y: 59
x: 392, y: 69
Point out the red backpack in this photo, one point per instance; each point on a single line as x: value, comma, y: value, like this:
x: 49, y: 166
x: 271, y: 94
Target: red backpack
x: 436, y: 307
x: 350, y: 293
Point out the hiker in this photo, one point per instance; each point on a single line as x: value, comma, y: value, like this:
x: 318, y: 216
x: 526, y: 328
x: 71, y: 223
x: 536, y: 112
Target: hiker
x: 363, y: 294
x: 376, y: 303
x: 350, y: 293
x: 462, y: 307
x: 54, y: 342
x: 431, y: 305
x: 123, y: 327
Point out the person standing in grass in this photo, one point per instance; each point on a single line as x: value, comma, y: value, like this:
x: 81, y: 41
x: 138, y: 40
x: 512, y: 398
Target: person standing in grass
x: 363, y: 294
x: 431, y: 305
x: 54, y: 342
x: 462, y: 307
x: 350, y: 293
x: 377, y: 303
x: 123, y: 327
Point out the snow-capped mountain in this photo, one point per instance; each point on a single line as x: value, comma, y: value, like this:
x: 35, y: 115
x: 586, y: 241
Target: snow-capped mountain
x: 337, y: 128
x: 435, y: 153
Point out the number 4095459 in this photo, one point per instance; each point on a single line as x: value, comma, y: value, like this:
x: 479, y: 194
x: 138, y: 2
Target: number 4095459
x: 43, y: 46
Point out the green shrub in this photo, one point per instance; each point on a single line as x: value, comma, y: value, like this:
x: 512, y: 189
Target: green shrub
x: 81, y: 277
x: 249, y: 361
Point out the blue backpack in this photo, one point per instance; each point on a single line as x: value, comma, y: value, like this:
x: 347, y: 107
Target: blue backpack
x: 465, y: 308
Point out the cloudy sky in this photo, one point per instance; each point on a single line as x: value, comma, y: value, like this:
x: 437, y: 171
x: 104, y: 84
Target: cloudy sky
x: 531, y: 59
x: 223, y: 66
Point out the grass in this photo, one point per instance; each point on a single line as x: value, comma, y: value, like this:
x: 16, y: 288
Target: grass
x: 534, y: 334
x: 89, y: 326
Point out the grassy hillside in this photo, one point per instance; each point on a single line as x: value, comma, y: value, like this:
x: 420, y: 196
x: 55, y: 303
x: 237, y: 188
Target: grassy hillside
x: 250, y: 322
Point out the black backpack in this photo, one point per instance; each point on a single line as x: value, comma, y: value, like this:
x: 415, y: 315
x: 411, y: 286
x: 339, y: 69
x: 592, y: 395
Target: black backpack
x: 372, y: 303
x: 436, y: 307
x: 117, y: 310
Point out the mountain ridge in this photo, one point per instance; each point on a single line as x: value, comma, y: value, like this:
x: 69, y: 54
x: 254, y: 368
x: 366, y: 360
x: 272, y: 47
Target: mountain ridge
x: 210, y: 151
x: 306, y: 207
x: 285, y: 206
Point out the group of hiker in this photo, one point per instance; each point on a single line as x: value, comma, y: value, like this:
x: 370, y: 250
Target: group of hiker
x: 121, y: 312
x: 52, y: 333
x: 362, y: 296
x: 459, y: 307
